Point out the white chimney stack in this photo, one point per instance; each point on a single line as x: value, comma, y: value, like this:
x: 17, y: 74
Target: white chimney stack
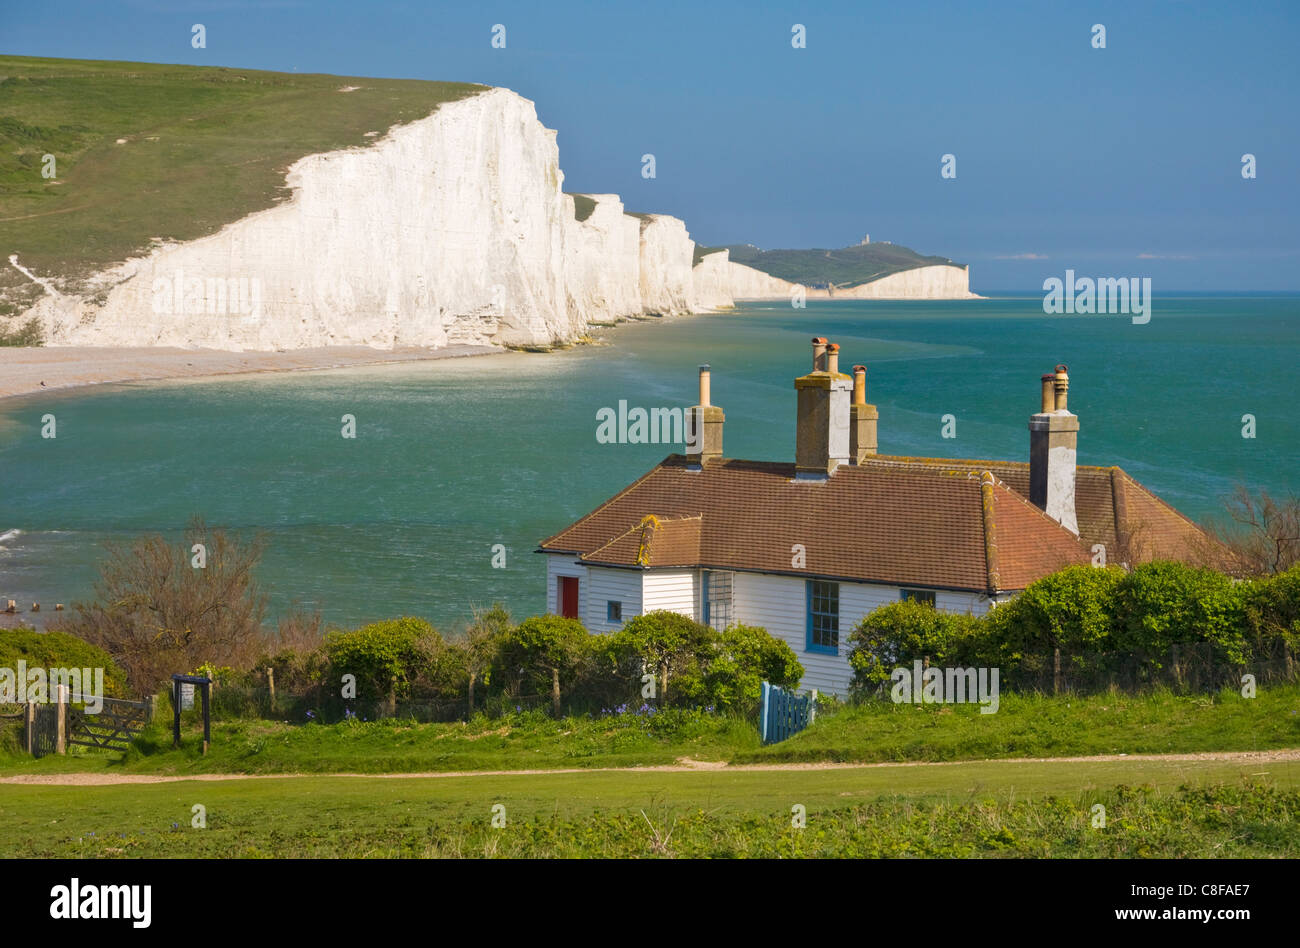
x: 1053, y: 446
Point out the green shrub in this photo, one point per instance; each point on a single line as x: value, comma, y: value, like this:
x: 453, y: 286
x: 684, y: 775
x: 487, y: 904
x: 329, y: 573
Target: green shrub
x: 898, y: 633
x: 477, y: 650
x: 386, y: 657
x: 543, y: 653
x: 60, y: 650
x: 1164, y: 603
x: 1072, y: 610
x: 1272, y: 608
x: 668, y: 645
x: 743, y: 657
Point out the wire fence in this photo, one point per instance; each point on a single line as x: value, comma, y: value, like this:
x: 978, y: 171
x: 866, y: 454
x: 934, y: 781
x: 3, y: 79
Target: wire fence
x: 245, y: 699
x: 1184, y: 669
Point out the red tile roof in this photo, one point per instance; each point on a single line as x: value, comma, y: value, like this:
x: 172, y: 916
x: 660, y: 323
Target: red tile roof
x: 893, y: 521
x: 1112, y: 509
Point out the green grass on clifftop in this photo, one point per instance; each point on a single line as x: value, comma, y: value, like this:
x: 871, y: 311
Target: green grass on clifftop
x: 846, y: 267
x: 200, y: 147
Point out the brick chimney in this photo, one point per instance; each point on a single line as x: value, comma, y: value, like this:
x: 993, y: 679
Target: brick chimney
x: 1053, y: 445
x: 862, y: 419
x: 822, y: 427
x: 704, y: 426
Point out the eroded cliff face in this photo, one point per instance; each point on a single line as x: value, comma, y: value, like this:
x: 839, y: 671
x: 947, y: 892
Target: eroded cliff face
x: 603, y: 261
x: 451, y: 229
x: 711, y: 282
x: 746, y: 283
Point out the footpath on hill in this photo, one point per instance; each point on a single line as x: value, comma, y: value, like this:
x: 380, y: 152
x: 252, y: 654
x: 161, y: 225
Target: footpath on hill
x: 683, y: 765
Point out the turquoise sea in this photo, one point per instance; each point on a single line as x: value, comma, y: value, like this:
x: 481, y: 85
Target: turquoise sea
x: 454, y: 456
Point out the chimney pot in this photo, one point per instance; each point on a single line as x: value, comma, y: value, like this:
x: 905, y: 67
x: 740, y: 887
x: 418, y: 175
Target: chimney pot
x: 819, y: 353
x: 862, y: 419
x: 1062, y: 387
x: 833, y: 358
x: 1049, y: 392
x: 704, y: 385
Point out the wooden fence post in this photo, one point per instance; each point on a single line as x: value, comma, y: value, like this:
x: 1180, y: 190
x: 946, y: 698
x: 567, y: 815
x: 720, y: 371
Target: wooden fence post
x: 207, y: 717
x: 61, y: 721
x: 390, y: 701
x: 1056, y: 672
x: 270, y: 684
x: 29, y: 719
x: 176, y: 713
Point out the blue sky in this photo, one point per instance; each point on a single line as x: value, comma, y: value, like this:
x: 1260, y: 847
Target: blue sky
x: 1123, y: 161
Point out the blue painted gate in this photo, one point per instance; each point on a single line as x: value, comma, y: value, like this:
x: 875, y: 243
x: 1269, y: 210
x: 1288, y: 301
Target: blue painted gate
x: 783, y: 714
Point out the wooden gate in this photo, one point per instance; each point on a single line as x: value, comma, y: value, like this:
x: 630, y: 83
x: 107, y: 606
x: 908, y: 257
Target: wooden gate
x: 115, y: 726
x: 783, y: 714
x: 42, y: 729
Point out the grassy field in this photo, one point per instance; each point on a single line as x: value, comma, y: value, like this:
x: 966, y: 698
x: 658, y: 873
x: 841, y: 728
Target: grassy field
x: 1025, y: 726
x: 1185, y: 810
x: 1036, y: 726
x: 199, y: 147
x: 943, y: 803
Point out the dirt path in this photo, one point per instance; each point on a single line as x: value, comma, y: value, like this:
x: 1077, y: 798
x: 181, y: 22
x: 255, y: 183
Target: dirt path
x: 683, y: 765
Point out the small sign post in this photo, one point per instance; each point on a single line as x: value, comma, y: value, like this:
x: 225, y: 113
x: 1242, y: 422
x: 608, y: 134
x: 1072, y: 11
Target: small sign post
x: 180, y: 684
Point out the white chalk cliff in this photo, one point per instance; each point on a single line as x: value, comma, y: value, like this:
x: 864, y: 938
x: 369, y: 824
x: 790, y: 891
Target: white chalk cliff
x: 935, y: 282
x: 450, y: 229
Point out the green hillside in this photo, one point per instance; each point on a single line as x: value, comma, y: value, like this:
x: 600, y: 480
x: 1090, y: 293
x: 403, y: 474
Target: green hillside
x: 204, y: 146
x: 848, y: 266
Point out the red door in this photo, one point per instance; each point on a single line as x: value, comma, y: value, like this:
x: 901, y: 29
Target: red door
x: 569, y: 597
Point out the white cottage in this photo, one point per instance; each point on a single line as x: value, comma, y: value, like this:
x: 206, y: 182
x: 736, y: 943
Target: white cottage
x: 805, y: 550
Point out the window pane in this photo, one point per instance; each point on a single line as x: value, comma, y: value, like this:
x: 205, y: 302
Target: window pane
x: 717, y: 603
x: 824, y: 614
x: 919, y: 595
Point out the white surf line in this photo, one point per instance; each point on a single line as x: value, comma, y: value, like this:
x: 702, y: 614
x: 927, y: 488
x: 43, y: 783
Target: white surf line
x: 94, y: 779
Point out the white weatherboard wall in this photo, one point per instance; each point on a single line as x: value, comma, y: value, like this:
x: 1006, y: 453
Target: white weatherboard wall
x: 558, y: 565
x: 672, y: 589
x: 604, y: 585
x: 597, y: 585
x: 775, y: 603
x: 779, y: 604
